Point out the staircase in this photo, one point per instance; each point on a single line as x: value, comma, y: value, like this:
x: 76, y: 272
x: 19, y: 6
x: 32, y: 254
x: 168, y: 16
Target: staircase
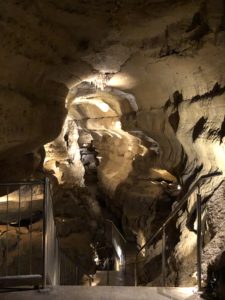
x: 117, y: 283
x: 123, y: 255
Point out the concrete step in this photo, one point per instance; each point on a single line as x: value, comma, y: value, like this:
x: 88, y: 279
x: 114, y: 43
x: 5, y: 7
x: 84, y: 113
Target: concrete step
x: 104, y: 293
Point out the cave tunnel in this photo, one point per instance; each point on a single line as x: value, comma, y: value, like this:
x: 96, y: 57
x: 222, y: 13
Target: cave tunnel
x: 115, y: 112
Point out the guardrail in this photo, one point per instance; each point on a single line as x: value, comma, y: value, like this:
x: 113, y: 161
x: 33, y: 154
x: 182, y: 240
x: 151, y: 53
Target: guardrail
x: 115, y: 238
x: 167, y: 221
x: 51, y: 261
x: 21, y: 208
x: 71, y: 272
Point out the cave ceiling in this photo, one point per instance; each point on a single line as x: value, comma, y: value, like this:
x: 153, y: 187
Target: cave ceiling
x: 153, y: 67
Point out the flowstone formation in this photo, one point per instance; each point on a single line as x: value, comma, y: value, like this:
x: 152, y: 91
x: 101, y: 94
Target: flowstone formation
x: 145, y: 81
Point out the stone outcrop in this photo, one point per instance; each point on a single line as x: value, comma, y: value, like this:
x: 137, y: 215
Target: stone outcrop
x: 145, y: 81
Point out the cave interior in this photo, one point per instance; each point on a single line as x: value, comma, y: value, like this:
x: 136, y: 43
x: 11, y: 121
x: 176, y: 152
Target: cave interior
x: 118, y: 108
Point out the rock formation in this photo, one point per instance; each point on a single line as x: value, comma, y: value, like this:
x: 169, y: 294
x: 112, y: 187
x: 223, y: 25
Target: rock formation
x: 145, y: 81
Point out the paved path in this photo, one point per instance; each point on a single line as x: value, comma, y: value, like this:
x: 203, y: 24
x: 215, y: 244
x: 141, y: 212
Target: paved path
x: 104, y: 293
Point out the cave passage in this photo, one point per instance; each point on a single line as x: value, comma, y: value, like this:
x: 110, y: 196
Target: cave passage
x: 112, y: 153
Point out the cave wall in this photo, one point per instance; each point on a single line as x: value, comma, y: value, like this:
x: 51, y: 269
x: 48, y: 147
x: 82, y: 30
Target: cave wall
x: 168, y: 55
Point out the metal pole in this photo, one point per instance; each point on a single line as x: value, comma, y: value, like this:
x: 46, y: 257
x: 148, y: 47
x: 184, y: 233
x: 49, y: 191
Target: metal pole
x: 7, y: 230
x: 135, y: 272
x: 44, y: 239
x: 125, y: 259
x: 18, y: 236
x: 77, y: 282
x: 107, y: 270
x: 163, y: 256
x: 199, y: 239
x: 31, y: 227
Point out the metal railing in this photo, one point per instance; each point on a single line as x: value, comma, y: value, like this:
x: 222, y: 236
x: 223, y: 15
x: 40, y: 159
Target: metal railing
x: 30, y: 256
x: 162, y: 230
x: 51, y: 261
x: 70, y: 272
x: 115, y: 238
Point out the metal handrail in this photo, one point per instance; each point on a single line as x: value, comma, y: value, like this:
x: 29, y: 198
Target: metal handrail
x: 50, y: 243
x: 78, y: 266
x: 30, y: 276
x: 85, y: 271
x: 31, y: 182
x: 115, y: 227
x: 172, y: 215
x: 115, y: 236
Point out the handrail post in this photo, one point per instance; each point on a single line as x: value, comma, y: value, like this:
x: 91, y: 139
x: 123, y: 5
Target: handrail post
x: 44, y: 239
x: 173, y: 213
x: 77, y: 281
x: 107, y: 271
x: 135, y: 271
x: 125, y: 259
x: 163, y: 256
x: 90, y: 280
x: 199, y: 240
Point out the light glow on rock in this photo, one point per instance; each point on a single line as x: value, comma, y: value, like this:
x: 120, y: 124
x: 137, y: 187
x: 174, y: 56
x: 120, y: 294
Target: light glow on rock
x: 122, y: 80
x: 117, y: 125
x: 103, y: 106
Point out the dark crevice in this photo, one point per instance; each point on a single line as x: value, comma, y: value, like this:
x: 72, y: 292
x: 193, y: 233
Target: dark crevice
x: 213, y: 134
x: 167, y: 104
x: 167, y: 51
x: 198, y: 128
x: 217, y: 90
x: 177, y: 98
x: 196, y: 21
x: 222, y: 131
x: 174, y: 120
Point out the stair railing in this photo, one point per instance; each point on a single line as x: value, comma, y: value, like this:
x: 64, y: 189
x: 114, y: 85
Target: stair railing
x: 51, y: 261
x: 162, y: 230
x: 22, y: 208
x: 115, y: 238
x: 70, y: 271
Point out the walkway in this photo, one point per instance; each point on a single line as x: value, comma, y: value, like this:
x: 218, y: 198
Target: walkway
x: 104, y: 293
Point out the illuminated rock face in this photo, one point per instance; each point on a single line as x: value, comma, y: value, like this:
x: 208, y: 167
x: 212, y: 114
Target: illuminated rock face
x: 146, y: 81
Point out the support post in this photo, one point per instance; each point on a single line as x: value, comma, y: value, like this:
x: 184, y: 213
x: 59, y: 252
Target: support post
x: 7, y: 230
x: 107, y: 271
x: 199, y: 240
x: 45, y: 246
x: 125, y: 259
x: 135, y: 272
x: 77, y: 281
x: 163, y: 256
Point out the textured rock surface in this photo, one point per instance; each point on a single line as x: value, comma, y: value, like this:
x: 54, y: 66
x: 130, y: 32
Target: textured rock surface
x: 147, y: 84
